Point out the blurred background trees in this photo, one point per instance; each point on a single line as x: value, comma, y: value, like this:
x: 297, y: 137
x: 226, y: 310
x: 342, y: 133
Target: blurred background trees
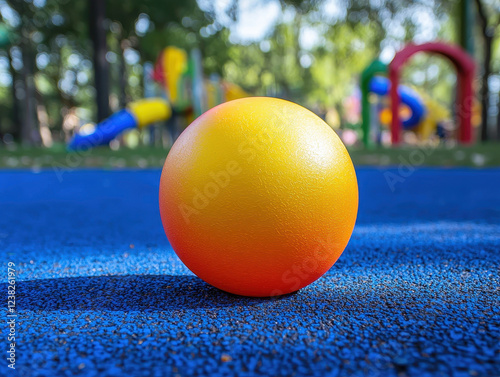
x: 66, y: 63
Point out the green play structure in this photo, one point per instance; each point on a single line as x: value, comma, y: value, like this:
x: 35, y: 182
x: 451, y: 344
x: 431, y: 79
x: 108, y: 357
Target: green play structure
x: 376, y: 67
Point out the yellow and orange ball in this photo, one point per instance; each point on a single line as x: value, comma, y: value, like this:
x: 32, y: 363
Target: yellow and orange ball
x: 258, y: 197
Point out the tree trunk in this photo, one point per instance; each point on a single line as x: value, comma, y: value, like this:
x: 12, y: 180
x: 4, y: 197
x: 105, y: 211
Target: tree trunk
x: 16, y: 131
x: 485, y: 88
x: 487, y: 34
x: 97, y: 14
x: 498, y: 118
x: 122, y: 76
x: 43, y: 121
x: 29, y: 128
x: 466, y: 25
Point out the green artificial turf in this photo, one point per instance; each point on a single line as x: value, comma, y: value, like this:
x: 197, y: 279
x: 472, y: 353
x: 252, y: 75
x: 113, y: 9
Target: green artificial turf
x: 16, y: 157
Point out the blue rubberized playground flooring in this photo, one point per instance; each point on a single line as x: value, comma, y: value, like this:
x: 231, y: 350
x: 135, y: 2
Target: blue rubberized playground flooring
x: 101, y: 293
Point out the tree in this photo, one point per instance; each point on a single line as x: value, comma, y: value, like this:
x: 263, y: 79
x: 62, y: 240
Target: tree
x: 28, y: 128
x: 97, y: 19
x: 487, y: 32
x: 496, y: 61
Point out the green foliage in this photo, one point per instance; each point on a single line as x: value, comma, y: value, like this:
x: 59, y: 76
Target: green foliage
x: 322, y: 72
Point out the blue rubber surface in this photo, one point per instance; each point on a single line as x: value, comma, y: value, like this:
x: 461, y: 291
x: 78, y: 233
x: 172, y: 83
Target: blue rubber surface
x: 100, y: 292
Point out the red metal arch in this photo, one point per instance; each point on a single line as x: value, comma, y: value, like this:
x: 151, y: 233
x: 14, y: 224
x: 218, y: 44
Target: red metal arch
x: 465, y: 75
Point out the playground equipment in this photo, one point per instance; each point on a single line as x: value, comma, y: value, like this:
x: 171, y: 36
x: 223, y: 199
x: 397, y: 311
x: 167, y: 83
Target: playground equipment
x: 436, y: 115
x: 172, y: 64
x: 185, y: 87
x: 375, y: 67
x: 187, y: 95
x: 465, y: 66
x: 465, y: 72
x: 138, y: 114
x: 381, y: 85
x: 426, y: 115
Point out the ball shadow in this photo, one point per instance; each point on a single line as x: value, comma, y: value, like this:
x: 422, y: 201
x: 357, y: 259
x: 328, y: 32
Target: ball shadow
x: 126, y: 293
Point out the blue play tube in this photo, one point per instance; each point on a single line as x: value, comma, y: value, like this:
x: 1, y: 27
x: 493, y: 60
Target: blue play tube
x: 381, y: 85
x: 105, y: 131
